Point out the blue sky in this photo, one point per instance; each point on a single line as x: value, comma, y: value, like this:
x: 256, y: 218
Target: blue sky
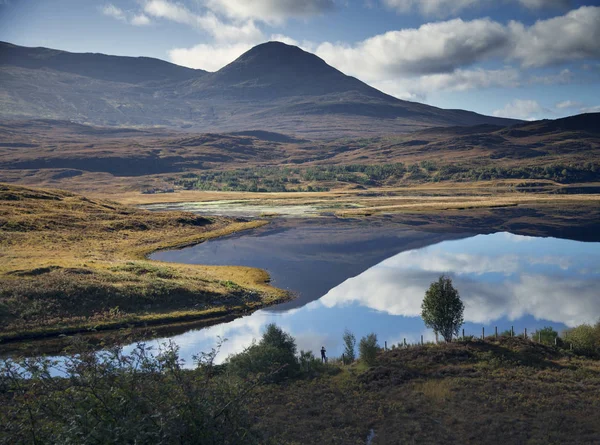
x: 526, y: 59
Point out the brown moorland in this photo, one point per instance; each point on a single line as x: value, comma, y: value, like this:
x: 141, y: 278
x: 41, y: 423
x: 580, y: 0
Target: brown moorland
x: 113, y: 160
x: 506, y: 391
x: 72, y: 264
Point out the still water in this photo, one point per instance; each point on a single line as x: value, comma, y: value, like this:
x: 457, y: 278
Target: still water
x: 347, y: 277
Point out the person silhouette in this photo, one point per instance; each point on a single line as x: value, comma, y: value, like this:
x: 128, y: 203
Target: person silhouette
x: 323, y: 356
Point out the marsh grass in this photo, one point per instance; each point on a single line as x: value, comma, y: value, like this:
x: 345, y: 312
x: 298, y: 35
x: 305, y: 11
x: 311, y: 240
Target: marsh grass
x: 70, y: 263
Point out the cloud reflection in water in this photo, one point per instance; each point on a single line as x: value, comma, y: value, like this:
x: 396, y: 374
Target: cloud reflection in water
x: 504, y: 279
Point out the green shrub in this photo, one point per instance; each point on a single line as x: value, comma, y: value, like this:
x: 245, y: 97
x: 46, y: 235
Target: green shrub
x: 273, y: 355
x: 546, y: 335
x: 585, y: 339
x: 122, y: 398
x: 368, y: 349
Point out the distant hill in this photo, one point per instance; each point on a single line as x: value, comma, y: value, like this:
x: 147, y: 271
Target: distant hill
x: 45, y: 151
x: 272, y: 87
x: 134, y: 70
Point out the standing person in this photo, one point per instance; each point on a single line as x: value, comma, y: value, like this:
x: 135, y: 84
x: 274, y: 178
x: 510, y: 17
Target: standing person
x: 323, y: 356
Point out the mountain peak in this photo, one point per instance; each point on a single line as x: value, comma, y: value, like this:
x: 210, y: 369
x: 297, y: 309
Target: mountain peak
x: 278, y: 69
x: 277, y: 52
x: 277, y: 58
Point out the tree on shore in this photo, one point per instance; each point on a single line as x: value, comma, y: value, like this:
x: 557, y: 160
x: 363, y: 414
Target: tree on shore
x: 349, y: 346
x: 368, y: 349
x: 442, y: 309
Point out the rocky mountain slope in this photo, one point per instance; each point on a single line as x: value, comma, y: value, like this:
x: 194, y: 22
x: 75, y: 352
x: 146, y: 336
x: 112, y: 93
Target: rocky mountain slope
x: 273, y: 86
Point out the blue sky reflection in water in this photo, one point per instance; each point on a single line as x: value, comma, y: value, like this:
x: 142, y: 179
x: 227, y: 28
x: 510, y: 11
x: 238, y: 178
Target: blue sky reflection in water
x: 504, y: 280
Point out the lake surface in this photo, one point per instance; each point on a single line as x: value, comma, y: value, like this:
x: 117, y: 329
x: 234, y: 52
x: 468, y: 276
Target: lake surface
x: 370, y: 278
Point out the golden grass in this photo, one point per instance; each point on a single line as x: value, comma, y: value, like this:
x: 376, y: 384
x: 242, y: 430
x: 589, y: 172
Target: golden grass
x: 435, y: 390
x: 72, y: 263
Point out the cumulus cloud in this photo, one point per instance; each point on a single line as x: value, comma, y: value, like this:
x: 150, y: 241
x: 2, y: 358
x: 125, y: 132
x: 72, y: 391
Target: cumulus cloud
x: 444, y: 47
x: 431, y: 48
x: 271, y: 11
x: 208, y: 21
x: 572, y: 36
x: 462, y: 80
x: 117, y: 13
x: 140, y: 20
x: 207, y: 56
x: 526, y: 109
x: 112, y: 11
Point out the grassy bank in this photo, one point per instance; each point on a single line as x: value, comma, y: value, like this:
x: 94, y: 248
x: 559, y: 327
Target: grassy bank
x: 70, y: 264
x: 509, y: 390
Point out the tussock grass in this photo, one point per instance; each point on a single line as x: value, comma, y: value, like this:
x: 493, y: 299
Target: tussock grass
x: 70, y: 263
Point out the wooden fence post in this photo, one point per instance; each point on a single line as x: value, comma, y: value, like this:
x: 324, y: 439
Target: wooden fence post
x: 421, y: 339
x: 496, y: 332
x: 482, y: 333
x: 525, y: 333
x: 385, y: 345
x: 405, y: 342
x: 512, y: 331
x: 463, y: 337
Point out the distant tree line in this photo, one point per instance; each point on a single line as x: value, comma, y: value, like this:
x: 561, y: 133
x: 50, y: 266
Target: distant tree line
x: 321, y: 178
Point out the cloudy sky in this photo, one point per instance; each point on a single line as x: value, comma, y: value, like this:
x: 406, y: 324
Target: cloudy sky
x: 525, y: 59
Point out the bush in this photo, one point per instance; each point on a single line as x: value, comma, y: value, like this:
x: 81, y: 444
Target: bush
x: 274, y: 355
x: 585, y: 339
x: 349, y: 346
x: 117, y: 398
x: 546, y: 335
x: 368, y: 349
x: 442, y: 309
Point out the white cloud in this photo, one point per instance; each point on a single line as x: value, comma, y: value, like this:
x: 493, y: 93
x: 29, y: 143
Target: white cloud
x: 117, y: 13
x: 209, y: 22
x: 568, y: 104
x: 595, y: 109
x: 444, y: 47
x: 565, y: 38
x: 462, y: 80
x: 271, y: 11
x: 208, y: 56
x: 526, y: 109
x: 432, y: 48
x: 140, y: 20
x: 112, y: 11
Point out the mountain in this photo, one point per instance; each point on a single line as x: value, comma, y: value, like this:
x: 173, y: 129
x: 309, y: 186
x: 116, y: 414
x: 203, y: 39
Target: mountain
x: 133, y: 70
x: 273, y: 87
